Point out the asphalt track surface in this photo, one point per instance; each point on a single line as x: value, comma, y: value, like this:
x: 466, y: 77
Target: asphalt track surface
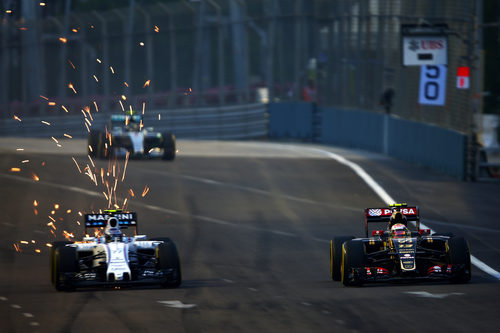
x: 252, y: 221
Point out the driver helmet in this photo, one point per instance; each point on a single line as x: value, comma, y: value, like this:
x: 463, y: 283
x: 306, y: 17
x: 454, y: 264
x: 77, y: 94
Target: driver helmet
x: 397, y: 217
x: 112, y: 231
x: 399, y: 230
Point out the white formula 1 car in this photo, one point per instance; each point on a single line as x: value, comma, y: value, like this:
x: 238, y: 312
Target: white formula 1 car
x: 113, y: 259
x: 126, y: 135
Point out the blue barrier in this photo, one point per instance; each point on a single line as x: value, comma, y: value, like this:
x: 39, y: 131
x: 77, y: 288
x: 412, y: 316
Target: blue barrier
x: 427, y: 145
x: 291, y: 120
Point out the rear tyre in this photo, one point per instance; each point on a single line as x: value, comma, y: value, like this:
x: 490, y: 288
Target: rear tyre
x: 459, y: 256
x: 336, y: 256
x: 64, y: 266
x: 353, y: 263
x: 169, y: 149
x: 167, y: 259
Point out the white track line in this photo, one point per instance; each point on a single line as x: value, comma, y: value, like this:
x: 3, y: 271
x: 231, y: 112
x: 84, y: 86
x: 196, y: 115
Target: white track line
x: 389, y: 200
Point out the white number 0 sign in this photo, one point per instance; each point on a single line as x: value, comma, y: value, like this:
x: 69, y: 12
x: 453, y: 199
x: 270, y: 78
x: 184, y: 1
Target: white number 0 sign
x: 432, y: 85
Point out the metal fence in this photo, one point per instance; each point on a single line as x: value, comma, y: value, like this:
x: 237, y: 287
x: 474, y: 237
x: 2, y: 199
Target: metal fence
x: 175, y: 54
x: 230, y: 122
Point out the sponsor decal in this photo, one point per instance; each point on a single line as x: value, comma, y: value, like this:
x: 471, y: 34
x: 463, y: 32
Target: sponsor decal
x: 375, y: 212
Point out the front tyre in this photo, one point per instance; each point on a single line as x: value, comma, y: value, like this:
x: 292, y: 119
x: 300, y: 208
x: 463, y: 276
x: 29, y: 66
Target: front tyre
x: 168, y: 146
x: 168, y: 261
x: 96, y: 141
x: 64, y: 265
x: 353, y: 263
x: 459, y: 257
x: 336, y: 256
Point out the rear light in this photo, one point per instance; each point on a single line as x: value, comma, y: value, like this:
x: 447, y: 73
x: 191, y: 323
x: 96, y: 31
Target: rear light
x: 425, y: 231
x: 377, y: 233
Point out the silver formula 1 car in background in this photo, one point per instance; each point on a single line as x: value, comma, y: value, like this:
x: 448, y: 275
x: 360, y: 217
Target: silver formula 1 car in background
x: 111, y: 258
x: 126, y: 134
x: 398, y: 253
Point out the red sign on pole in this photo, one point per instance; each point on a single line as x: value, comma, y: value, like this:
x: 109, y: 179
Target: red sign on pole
x: 463, y: 77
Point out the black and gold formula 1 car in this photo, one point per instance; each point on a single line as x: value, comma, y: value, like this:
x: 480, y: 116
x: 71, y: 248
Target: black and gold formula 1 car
x: 398, y: 254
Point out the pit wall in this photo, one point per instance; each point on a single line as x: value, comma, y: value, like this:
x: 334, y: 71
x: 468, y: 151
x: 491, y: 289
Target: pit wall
x: 426, y: 145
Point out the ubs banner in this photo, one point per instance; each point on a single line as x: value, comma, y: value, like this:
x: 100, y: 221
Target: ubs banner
x: 432, y: 85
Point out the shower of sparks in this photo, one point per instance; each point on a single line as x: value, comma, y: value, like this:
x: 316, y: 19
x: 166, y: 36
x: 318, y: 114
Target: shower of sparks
x: 131, y: 192
x: 126, y: 163
x: 68, y: 136
x: 121, y: 105
x: 157, y: 29
x: 159, y: 116
x: 91, y: 161
x: 38, y: 250
x: 74, y: 30
x: 57, y: 206
x: 51, y: 103
x: 15, y: 169
x: 25, y: 161
x: 45, y: 122
x: 64, y: 108
x: 68, y: 211
x: 8, y: 11
x: 146, y: 190
x: 95, y: 78
x: 70, y: 86
x: 87, y: 126
x: 126, y: 84
x: 96, y: 108
x: 112, y: 70
x: 45, y: 98
x: 79, y: 170
x: 71, y: 64
x: 143, y: 107
x: 123, y: 96
x: 146, y: 84
x: 141, y: 43
x: 88, y: 121
x: 55, y: 140
x: 99, y: 60
x: 48, y: 245
x: 35, y: 177
x: 20, y: 149
x: 68, y: 235
x: 17, y: 118
x: 63, y: 40
x: 42, y: 4
x: 90, y: 149
x: 35, y: 203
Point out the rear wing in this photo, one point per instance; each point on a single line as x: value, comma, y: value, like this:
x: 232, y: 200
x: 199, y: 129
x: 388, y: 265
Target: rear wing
x: 128, y: 219
x: 384, y: 214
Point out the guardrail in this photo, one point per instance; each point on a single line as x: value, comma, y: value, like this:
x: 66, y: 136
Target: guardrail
x: 230, y: 122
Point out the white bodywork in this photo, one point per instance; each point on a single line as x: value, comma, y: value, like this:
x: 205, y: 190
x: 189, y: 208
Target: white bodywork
x: 117, y: 261
x: 117, y: 253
